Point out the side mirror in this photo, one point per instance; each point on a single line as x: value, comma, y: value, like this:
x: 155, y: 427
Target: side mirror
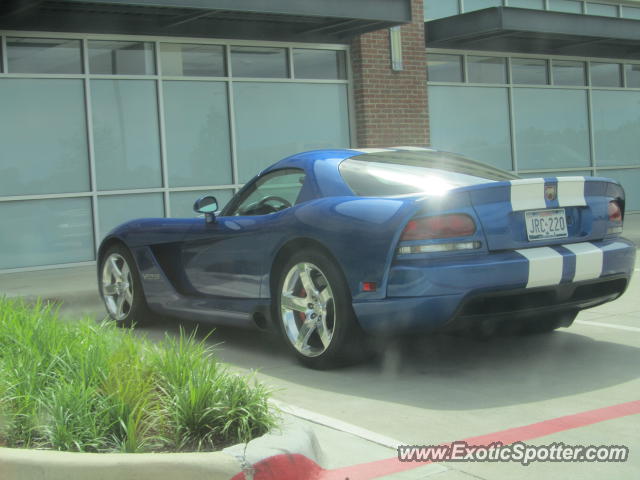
x: 207, y: 205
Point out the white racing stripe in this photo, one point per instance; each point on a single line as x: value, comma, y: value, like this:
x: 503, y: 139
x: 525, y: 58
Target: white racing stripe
x: 589, y: 260
x: 527, y: 194
x: 571, y: 191
x: 608, y: 325
x: 545, y: 266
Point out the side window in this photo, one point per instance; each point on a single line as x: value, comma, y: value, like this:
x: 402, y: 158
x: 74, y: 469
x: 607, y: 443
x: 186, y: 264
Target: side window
x: 272, y: 193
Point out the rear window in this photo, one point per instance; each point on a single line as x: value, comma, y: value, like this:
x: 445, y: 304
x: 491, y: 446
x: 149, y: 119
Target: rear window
x: 426, y: 172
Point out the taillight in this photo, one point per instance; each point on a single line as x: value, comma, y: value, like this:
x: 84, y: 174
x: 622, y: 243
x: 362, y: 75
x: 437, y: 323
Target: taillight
x: 615, y: 217
x: 615, y: 212
x: 442, y: 226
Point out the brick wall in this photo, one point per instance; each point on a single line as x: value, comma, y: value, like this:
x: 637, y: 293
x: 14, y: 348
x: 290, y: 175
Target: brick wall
x: 391, y: 107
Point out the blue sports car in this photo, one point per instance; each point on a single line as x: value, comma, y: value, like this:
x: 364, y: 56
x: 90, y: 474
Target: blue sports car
x: 333, y: 247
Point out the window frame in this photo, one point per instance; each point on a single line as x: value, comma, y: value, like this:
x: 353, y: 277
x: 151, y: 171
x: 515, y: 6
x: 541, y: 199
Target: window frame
x: 231, y: 209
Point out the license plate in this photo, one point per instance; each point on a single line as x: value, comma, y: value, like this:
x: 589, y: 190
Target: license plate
x: 546, y: 224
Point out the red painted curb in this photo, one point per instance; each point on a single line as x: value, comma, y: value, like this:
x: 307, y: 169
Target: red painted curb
x: 299, y: 467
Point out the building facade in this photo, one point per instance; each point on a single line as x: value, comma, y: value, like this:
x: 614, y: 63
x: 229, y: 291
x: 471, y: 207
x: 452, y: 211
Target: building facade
x: 111, y: 110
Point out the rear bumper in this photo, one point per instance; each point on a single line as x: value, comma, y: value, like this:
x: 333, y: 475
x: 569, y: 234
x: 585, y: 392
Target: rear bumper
x: 433, y: 295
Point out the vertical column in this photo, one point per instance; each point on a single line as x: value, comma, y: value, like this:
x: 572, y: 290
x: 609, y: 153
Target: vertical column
x: 391, y: 106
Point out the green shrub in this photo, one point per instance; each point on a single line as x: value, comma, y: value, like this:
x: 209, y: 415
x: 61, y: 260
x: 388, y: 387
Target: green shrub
x: 94, y: 387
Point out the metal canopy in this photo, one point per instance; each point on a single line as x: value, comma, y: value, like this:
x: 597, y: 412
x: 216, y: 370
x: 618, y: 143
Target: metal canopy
x: 327, y: 21
x: 507, y: 29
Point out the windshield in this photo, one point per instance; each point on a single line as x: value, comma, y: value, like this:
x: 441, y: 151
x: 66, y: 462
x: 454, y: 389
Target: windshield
x: 401, y: 173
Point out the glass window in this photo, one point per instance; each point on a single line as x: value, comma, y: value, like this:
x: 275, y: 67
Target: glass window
x: 632, y: 74
x: 602, y: 9
x: 270, y: 194
x: 46, y: 232
x: 181, y: 59
x: 434, y: 9
x: 182, y: 202
x: 43, y: 55
x: 630, y: 180
x: 312, y: 63
x: 605, y: 74
x: 126, y: 134
x: 121, y: 58
x: 530, y: 71
x: 404, y: 173
x: 551, y: 128
x: 259, y: 62
x: 117, y: 209
x: 473, y: 121
x: 43, y: 134
x: 569, y: 6
x: 630, y: 12
x: 444, y: 68
x: 486, y: 70
x: 568, y: 73
x: 616, y: 123
x: 274, y: 120
x: 197, y: 133
x: 531, y: 4
x: 471, y: 5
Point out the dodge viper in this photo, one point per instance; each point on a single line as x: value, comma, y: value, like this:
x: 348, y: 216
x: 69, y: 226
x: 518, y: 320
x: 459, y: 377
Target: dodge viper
x: 334, y: 247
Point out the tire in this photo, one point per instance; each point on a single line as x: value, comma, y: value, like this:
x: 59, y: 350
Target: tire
x: 121, y: 289
x: 314, y: 313
x: 546, y: 324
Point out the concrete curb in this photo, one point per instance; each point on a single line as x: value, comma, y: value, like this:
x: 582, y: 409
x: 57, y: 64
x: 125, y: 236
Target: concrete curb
x: 293, y: 439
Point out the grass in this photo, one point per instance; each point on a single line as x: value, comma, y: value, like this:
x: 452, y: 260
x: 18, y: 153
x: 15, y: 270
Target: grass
x: 91, y: 387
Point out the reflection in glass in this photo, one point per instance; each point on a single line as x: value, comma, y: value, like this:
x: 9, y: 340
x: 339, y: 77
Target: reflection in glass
x: 181, y: 59
x: 197, y: 133
x: 631, y: 12
x: 473, y: 121
x: 616, y: 123
x: 486, y: 70
x: 530, y: 4
x: 108, y: 57
x: 117, y: 209
x: 434, y: 9
x: 530, y: 71
x: 632, y: 74
x: 551, y: 128
x: 444, y: 68
x: 605, y: 74
x: 43, y: 137
x: 567, y: 72
x: 125, y: 132
x: 602, y: 9
x: 182, y: 202
x: 274, y: 120
x: 259, y: 62
x: 43, y: 55
x: 314, y: 63
x: 46, y: 232
x: 569, y: 6
x: 471, y: 5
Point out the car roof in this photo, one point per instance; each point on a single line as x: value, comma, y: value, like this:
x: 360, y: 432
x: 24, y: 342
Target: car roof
x: 304, y: 159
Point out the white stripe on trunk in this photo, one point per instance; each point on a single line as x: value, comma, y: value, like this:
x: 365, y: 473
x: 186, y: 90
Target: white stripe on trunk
x: 589, y: 260
x: 545, y: 266
x: 571, y: 191
x: 412, y: 149
x: 527, y: 194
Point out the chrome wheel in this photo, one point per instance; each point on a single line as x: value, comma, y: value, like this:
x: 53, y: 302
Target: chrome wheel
x: 117, y: 286
x: 307, y: 309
